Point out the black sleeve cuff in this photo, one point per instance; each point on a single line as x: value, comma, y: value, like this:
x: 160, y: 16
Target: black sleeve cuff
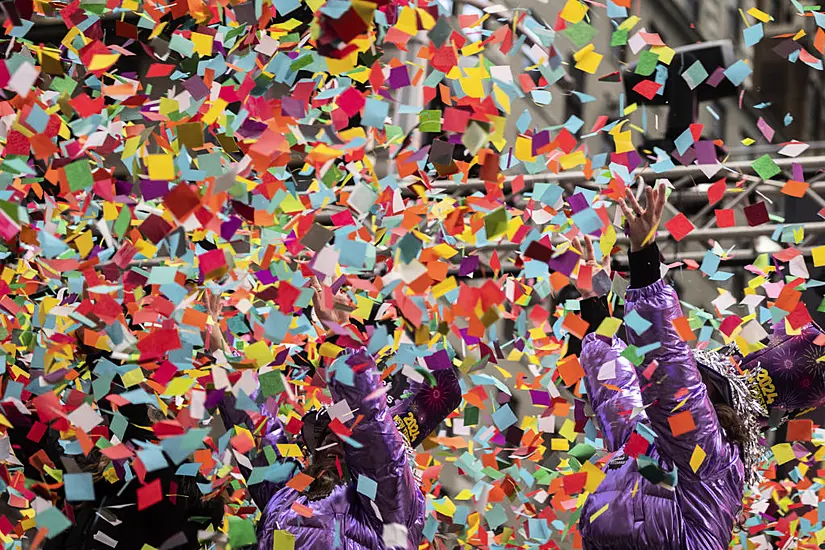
x: 594, y: 311
x: 645, y: 266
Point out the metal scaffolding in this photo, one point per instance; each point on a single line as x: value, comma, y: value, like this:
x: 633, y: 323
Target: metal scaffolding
x: 690, y: 185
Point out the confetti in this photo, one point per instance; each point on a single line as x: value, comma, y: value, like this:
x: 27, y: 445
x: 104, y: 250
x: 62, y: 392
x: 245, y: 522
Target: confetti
x: 177, y: 178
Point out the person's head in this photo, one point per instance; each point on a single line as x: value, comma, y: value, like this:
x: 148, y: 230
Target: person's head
x: 734, y: 427
x: 325, y: 452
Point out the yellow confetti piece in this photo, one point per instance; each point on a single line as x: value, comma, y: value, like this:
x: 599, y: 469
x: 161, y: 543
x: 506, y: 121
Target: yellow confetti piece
x: 84, y: 243
x: 447, y: 507
x: 427, y: 20
x: 161, y: 167
x: 697, y: 458
x: 572, y: 160
x: 599, y: 512
x: 665, y: 53
x: 587, y: 59
x: 178, y: 386
x: 573, y: 11
x: 203, y: 43
x: 759, y: 15
x: 444, y: 287
x: 101, y: 61
x: 594, y: 476
x: 289, y: 450
x: 407, y: 21
x: 568, y: 430
x: 329, y: 349
x: 445, y: 251
x: 608, y: 327
x: 260, y: 353
x: 624, y: 142
x: 215, y: 110
x: 629, y: 23
x: 502, y: 98
x: 291, y: 204
x: 558, y: 444
x: 783, y: 452
x: 472, y: 49
x: 465, y: 494
x: 819, y: 256
x: 134, y: 377
x: 524, y: 149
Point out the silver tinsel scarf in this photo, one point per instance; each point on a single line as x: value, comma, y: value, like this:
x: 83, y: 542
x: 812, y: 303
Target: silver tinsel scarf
x: 750, y: 410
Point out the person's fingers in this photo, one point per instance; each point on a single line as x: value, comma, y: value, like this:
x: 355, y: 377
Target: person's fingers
x: 650, y: 200
x: 577, y: 244
x: 661, y: 199
x: 634, y: 203
x: 589, y: 252
x: 628, y: 214
x: 315, y: 284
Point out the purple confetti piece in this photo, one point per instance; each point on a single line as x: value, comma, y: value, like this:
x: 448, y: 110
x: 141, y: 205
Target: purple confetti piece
x: 468, y: 265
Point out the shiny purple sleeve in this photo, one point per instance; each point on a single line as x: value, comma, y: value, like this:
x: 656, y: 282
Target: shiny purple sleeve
x: 380, y: 453
x: 613, y: 405
x: 676, y: 372
x: 274, y: 434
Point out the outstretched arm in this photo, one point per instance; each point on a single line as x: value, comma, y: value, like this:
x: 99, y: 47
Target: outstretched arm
x: 613, y: 388
x: 679, y: 408
x: 275, y: 475
x: 610, y: 379
x: 379, y: 452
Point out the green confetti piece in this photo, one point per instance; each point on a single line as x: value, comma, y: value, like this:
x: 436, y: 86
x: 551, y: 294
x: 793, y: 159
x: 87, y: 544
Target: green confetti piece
x: 647, y: 63
x: 124, y: 218
x: 241, y: 532
x: 580, y: 34
x: 471, y: 413
x: 766, y: 167
x: 631, y: 353
x: 430, y: 121
x: 272, y: 383
x: 79, y: 175
x: 495, y: 223
x: 618, y: 38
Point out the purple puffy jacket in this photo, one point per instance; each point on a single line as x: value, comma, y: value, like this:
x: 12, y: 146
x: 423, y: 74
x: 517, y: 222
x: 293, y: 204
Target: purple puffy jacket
x: 346, y: 519
x: 700, y: 513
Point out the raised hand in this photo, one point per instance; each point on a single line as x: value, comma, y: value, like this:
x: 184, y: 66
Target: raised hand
x: 215, y: 339
x: 338, y: 312
x: 589, y: 259
x: 643, y: 223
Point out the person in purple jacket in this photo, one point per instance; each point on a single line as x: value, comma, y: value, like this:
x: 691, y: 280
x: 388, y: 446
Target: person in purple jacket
x: 364, y: 494
x: 670, y: 485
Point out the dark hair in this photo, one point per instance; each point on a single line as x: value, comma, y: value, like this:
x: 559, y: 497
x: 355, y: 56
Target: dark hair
x: 326, y: 480
x: 731, y: 423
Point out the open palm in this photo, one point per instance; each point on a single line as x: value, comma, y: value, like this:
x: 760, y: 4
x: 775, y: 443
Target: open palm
x: 643, y: 223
